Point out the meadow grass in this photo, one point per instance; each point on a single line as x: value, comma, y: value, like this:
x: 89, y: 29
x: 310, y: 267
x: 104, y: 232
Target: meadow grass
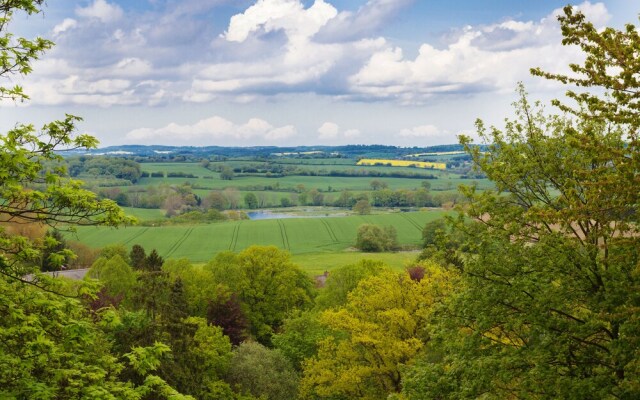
x: 144, y: 214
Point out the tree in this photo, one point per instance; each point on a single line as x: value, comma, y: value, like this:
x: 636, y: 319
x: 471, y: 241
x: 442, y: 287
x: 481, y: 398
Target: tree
x: 215, y: 200
x: 153, y: 262
x: 207, y: 357
x: 30, y: 192
x: 250, y: 200
x: 200, y: 286
x: 299, y: 337
x: 381, y: 328
x: 611, y: 63
x: 303, y: 198
x: 372, y: 238
x: 317, y: 198
x: 54, y: 255
x: 285, y: 202
x: 267, y: 283
x: 137, y: 257
x: 362, y: 207
x: 34, y: 183
x: 226, y: 174
x: 345, y: 199
x: 228, y: 315
x: 233, y: 197
x: 50, y: 348
x: 378, y: 185
x: 115, y: 274
x: 547, y: 306
x: 432, y: 230
x: 49, y: 345
x: 262, y: 372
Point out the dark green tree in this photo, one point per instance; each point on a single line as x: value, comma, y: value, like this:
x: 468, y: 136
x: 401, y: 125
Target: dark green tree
x: 138, y: 257
x: 153, y: 262
x: 55, y: 253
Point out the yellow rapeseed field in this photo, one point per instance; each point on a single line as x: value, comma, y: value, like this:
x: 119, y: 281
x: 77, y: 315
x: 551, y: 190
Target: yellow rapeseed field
x: 402, y: 163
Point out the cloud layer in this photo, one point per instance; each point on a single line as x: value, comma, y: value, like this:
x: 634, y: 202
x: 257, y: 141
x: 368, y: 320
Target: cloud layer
x: 108, y: 56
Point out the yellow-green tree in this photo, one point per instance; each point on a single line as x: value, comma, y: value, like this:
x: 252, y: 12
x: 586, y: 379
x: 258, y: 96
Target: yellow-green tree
x: 379, y: 330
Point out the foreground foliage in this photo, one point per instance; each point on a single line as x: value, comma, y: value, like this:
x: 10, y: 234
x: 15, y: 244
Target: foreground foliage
x: 548, y: 306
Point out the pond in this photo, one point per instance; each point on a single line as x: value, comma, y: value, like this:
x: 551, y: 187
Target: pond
x: 268, y: 214
x: 271, y: 215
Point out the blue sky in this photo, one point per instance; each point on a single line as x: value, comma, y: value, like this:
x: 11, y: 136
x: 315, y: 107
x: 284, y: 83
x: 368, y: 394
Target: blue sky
x: 292, y: 72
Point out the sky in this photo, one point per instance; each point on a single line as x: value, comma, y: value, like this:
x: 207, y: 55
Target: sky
x: 292, y: 72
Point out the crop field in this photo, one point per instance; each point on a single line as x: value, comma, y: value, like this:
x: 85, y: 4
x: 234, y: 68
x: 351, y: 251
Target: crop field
x: 144, y: 214
x: 287, y: 182
x: 403, y: 163
x: 199, y: 243
x: 327, y: 162
x: 344, y: 165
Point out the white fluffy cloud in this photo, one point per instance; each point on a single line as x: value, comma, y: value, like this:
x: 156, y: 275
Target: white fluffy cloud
x: 481, y: 59
x: 289, y: 16
x: 332, y: 131
x: 208, y: 131
x: 328, y: 131
x: 65, y: 25
x: 101, y: 10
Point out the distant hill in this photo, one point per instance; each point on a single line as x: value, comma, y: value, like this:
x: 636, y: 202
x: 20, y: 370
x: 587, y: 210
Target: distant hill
x: 171, y: 152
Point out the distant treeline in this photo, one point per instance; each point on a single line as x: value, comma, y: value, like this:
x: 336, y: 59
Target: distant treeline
x: 178, y: 200
x: 189, y: 153
x: 104, y: 167
x: 275, y: 170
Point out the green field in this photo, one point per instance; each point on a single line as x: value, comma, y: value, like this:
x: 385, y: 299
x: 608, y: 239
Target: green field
x: 199, y: 243
x: 144, y: 214
x: 323, y: 183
